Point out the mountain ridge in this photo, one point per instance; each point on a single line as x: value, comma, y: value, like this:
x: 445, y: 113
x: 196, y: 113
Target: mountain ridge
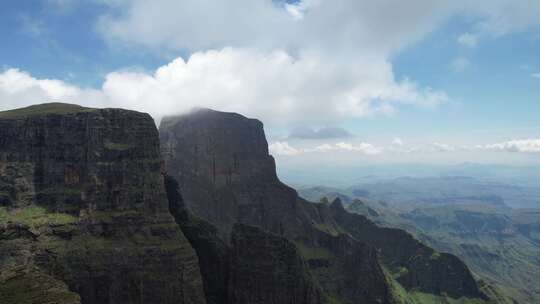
x: 212, y: 150
x: 109, y: 210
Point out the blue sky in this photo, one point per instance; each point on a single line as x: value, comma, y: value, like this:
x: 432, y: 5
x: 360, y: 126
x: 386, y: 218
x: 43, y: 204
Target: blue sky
x: 406, y: 82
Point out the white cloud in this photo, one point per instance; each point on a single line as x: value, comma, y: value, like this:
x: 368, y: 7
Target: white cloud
x: 271, y: 86
x: 313, y: 61
x: 284, y: 149
x: 397, y: 142
x: 523, y: 145
x: 316, y: 59
x: 535, y: 75
x: 322, y: 133
x: 440, y: 147
x: 355, y: 27
x: 20, y: 89
x: 460, y: 64
x: 468, y: 40
x: 501, y: 17
x: 362, y: 148
x: 365, y: 148
x: 347, y: 26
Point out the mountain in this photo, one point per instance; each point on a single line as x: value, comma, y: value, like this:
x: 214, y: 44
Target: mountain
x: 226, y: 177
x: 255, y: 267
x: 499, y: 244
x: 441, y: 190
x: 96, y: 206
x: 84, y: 216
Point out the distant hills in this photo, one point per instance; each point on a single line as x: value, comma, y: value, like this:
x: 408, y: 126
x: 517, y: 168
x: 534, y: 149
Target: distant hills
x: 408, y: 192
x: 464, y: 216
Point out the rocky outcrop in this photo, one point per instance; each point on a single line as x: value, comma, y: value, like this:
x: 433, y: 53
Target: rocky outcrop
x: 83, y: 203
x: 418, y: 265
x: 227, y: 177
x: 267, y: 268
x: 213, y: 253
x: 257, y: 267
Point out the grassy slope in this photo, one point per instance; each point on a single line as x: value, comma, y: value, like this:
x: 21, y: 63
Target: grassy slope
x: 403, y: 296
x: 43, y: 109
x: 30, y: 286
x: 34, y: 217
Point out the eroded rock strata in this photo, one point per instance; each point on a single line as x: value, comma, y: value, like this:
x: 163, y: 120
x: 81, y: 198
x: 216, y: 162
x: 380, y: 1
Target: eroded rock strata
x: 83, y: 205
x: 227, y: 177
x: 256, y: 267
x: 89, y: 214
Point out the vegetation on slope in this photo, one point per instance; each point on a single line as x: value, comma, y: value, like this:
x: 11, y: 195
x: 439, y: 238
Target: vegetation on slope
x: 34, y: 216
x: 44, y: 109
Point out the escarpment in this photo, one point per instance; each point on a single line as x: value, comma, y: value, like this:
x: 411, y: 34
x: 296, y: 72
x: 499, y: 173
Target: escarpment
x: 97, y: 207
x: 83, y: 207
x: 256, y: 267
x: 417, y: 265
x: 227, y: 177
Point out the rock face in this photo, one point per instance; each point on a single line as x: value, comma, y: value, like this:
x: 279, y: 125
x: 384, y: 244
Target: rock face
x: 213, y: 253
x: 257, y: 267
x: 267, y: 268
x: 420, y: 266
x: 225, y: 173
x: 227, y: 177
x: 82, y: 202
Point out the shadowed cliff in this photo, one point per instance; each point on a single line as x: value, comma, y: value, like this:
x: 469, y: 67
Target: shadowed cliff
x: 226, y: 177
x: 84, y: 209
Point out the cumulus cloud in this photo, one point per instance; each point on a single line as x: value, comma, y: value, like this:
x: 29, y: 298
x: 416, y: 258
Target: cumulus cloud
x: 535, y: 75
x: 284, y: 149
x: 323, y: 133
x: 468, y: 40
x: 272, y: 86
x: 350, y: 25
x: 358, y: 25
x: 20, y: 89
x: 311, y: 62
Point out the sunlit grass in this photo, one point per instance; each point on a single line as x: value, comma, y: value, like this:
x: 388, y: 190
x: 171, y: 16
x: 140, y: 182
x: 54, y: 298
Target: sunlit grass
x: 34, y: 216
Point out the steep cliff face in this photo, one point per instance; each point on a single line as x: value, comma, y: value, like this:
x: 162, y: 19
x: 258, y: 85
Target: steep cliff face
x: 227, y: 177
x: 83, y: 203
x: 267, y: 268
x: 225, y: 173
x: 416, y: 264
x: 213, y: 252
x: 256, y: 267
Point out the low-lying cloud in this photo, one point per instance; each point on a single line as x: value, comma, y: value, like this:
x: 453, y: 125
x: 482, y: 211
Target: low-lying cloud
x: 322, y: 133
x: 523, y: 145
x: 285, y: 149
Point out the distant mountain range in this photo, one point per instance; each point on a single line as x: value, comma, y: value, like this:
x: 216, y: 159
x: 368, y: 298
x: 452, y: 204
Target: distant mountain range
x: 464, y: 216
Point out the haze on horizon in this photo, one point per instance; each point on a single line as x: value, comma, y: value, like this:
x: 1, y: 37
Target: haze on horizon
x: 347, y: 83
